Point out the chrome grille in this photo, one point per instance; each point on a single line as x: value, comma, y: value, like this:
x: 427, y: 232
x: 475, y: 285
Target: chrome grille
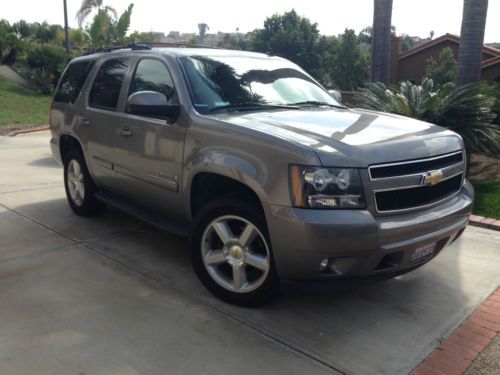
x: 400, y: 186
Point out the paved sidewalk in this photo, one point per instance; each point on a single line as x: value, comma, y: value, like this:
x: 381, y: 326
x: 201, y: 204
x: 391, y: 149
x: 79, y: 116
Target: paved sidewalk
x: 112, y: 295
x: 9, y: 73
x: 456, y: 354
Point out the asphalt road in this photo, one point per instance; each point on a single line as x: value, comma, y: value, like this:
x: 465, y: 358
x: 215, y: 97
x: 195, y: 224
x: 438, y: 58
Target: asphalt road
x: 111, y: 295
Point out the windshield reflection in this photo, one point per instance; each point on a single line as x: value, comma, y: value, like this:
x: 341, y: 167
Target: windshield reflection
x: 229, y: 81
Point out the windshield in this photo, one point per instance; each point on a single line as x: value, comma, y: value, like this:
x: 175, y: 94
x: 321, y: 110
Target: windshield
x: 224, y: 82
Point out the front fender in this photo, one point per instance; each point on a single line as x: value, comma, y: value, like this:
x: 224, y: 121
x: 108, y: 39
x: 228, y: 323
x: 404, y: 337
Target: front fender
x: 237, y: 165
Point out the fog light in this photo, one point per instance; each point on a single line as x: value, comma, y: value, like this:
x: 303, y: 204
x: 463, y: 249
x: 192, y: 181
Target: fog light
x: 323, y: 265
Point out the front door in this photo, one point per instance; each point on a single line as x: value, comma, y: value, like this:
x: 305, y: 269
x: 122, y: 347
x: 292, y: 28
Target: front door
x: 148, y: 151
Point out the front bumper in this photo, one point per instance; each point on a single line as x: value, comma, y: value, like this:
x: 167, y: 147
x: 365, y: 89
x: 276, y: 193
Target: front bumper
x: 358, y: 243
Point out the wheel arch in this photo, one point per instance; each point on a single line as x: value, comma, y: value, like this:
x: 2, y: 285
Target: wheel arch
x: 205, y: 186
x: 69, y: 142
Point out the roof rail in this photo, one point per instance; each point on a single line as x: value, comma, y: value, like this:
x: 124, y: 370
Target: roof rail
x: 131, y: 46
x: 181, y: 45
x: 145, y: 46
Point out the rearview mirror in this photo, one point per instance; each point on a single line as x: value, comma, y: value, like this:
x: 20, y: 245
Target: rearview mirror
x: 152, y: 103
x: 336, y: 95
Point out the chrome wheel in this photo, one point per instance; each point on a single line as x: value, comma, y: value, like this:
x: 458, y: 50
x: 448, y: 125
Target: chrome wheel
x: 235, y: 254
x: 75, y: 182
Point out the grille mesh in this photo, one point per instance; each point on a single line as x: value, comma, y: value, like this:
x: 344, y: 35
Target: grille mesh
x: 417, y: 196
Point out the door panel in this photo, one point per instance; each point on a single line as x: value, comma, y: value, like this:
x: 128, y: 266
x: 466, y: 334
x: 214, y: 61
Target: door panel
x: 98, y: 122
x: 148, y: 151
x: 148, y: 163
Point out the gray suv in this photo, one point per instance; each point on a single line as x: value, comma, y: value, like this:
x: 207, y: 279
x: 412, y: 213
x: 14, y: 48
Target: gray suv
x: 269, y: 175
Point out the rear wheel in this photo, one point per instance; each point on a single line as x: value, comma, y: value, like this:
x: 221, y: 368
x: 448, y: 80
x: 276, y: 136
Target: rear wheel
x: 80, y: 189
x: 232, y: 255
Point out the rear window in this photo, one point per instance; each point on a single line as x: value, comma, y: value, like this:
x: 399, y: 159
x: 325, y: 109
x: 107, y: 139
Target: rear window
x: 72, y: 81
x: 107, y: 85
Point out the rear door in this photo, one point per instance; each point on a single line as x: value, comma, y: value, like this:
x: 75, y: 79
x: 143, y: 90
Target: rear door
x: 67, y: 99
x: 148, y: 151
x: 99, y: 120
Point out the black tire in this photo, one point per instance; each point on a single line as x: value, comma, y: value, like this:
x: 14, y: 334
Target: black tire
x: 89, y: 205
x: 269, y: 289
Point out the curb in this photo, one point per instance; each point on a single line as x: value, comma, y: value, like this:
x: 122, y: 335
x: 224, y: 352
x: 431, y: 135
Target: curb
x: 484, y: 222
x: 30, y: 130
x: 455, y: 354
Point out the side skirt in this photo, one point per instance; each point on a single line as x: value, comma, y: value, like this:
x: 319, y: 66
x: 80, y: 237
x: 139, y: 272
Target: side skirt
x: 149, y: 217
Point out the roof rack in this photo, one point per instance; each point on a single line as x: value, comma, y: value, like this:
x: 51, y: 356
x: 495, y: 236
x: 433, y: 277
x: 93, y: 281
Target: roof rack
x: 131, y: 46
x: 145, y: 46
x: 181, y: 45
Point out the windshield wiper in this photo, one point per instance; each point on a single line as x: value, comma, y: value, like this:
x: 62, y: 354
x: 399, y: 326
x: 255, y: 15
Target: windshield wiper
x: 253, y: 105
x: 317, y: 103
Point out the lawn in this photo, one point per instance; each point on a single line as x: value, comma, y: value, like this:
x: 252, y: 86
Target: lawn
x: 487, y: 202
x: 19, y: 109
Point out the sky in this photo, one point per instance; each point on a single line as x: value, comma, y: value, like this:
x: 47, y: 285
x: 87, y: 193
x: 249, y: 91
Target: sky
x: 413, y: 17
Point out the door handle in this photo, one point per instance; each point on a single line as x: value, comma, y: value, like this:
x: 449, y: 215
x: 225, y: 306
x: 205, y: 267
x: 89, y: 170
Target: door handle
x: 83, y: 121
x: 125, y: 132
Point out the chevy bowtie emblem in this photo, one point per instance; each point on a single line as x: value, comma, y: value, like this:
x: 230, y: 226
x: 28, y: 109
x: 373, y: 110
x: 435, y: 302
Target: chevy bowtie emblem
x: 432, y: 178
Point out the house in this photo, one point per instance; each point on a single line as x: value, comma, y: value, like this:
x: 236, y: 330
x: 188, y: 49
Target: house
x: 411, y: 65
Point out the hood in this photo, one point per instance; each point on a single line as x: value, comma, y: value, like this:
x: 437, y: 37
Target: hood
x: 352, y: 137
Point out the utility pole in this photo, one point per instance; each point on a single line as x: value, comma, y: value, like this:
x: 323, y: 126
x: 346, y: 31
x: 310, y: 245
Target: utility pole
x: 66, y: 32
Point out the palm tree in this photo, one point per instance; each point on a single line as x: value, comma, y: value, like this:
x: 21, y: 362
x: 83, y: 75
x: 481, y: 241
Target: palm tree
x: 464, y: 109
x: 88, y: 6
x: 381, y: 41
x: 471, y: 41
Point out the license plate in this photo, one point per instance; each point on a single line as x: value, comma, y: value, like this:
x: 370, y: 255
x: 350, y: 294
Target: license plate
x: 422, y: 253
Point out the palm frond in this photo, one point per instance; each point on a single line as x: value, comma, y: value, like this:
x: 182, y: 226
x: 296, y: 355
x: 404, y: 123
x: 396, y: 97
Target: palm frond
x: 466, y: 109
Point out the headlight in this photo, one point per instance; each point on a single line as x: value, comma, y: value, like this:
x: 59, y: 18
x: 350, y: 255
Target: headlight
x: 315, y: 187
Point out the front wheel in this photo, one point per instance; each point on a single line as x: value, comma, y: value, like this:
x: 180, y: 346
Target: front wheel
x: 231, y: 253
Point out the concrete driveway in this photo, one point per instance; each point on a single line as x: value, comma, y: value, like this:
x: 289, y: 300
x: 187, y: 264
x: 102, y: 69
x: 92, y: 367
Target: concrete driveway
x: 111, y: 295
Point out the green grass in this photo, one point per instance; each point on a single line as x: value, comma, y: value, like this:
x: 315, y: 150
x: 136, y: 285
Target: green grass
x: 487, y: 201
x: 21, y: 109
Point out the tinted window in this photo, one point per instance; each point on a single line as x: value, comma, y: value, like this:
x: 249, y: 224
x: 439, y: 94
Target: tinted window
x: 153, y: 75
x: 72, y: 81
x: 108, y: 83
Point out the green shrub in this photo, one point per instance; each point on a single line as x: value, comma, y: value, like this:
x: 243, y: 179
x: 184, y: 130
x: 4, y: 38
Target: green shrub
x: 444, y: 70
x: 466, y: 110
x: 47, y: 61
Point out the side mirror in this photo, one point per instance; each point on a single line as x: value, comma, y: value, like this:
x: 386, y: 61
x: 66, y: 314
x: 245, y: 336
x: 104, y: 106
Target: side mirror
x: 153, y: 104
x: 336, y: 95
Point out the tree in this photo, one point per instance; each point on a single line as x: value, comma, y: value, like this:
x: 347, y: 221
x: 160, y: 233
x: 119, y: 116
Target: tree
x: 381, y: 46
x: 463, y: 109
x: 289, y: 36
x: 202, y: 30
x: 122, y: 25
x: 10, y: 45
x: 99, y: 29
x: 231, y: 41
x: 326, y: 50
x: 141, y: 37
x: 89, y: 6
x: 23, y: 29
x: 470, y: 52
x: 46, y: 62
x: 45, y: 33
x: 349, y: 68
x: 106, y: 30
x: 444, y: 70
x: 365, y: 35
